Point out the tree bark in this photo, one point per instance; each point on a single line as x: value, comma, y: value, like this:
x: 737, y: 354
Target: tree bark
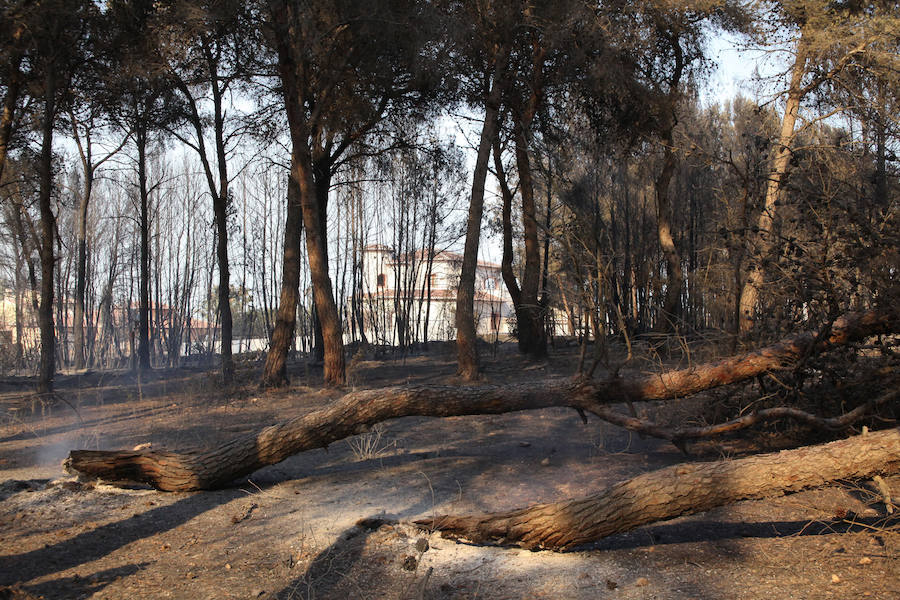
x: 529, y: 315
x: 765, y: 240
x: 314, y: 183
x: 671, y: 310
x: 48, y: 236
x: 275, y: 369
x: 221, y: 204
x: 678, y: 490
x: 81, y: 265
x: 357, y: 411
x: 143, y: 352
x: 506, y: 268
x: 312, y: 174
x: 466, y: 336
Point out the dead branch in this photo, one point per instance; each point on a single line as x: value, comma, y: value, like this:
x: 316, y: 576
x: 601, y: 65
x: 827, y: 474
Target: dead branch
x: 678, y: 436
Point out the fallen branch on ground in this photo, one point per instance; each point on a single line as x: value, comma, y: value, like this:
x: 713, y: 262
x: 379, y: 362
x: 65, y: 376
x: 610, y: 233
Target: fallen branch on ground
x: 679, y: 490
x: 680, y: 435
x: 356, y: 412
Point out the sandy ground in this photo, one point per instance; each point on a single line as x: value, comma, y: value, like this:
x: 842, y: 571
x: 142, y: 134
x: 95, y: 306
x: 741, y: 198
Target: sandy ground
x: 290, y: 531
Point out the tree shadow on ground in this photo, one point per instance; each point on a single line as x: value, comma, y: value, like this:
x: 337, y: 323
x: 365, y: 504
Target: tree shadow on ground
x: 97, y: 543
x: 328, y: 575
x: 691, y: 531
x: 82, y: 587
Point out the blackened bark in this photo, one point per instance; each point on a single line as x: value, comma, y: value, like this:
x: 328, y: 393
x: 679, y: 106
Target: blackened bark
x: 143, y: 352
x: 275, y: 369
x: 671, y: 311
x: 81, y: 265
x: 529, y: 315
x: 48, y: 236
x: 314, y: 183
x: 466, y: 337
x: 506, y: 269
x: 221, y: 202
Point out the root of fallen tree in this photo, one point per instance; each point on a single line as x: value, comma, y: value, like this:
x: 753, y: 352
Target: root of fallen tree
x: 356, y: 412
x: 679, y: 490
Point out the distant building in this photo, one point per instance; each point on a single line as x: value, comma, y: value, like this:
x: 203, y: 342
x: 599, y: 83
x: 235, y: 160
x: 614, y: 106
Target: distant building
x: 111, y: 335
x: 402, y: 298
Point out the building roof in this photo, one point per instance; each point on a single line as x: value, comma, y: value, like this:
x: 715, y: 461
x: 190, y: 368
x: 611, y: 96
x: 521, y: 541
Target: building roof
x: 441, y: 256
x: 437, y: 295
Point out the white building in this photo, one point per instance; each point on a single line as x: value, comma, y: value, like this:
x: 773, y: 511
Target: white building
x: 401, y: 295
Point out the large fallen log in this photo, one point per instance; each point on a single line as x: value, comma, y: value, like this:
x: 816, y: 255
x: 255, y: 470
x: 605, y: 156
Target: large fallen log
x: 356, y: 412
x: 674, y: 491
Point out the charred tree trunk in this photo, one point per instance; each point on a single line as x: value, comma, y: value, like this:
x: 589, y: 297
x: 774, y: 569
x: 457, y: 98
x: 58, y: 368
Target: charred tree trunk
x: 312, y: 173
x: 143, y: 352
x: 466, y: 336
x: 81, y: 267
x: 679, y: 490
x: 48, y: 236
x: 671, y: 311
x: 221, y: 204
x: 506, y: 269
x: 356, y: 412
x: 529, y: 315
x: 275, y: 369
x: 314, y: 182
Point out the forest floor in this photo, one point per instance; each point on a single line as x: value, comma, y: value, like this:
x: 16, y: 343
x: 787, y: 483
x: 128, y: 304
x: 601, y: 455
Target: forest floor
x: 289, y: 531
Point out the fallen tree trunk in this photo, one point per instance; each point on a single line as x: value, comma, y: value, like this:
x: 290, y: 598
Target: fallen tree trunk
x: 356, y: 412
x: 679, y: 490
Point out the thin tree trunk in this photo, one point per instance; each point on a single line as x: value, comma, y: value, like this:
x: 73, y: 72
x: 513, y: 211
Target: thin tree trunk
x: 674, y: 491
x: 143, y: 350
x: 220, y: 197
x: 48, y: 236
x: 275, y: 369
x: 81, y: 269
x: 466, y: 337
x: 89, y: 168
x: 671, y: 311
x: 221, y: 201
x: 506, y: 268
x: 765, y: 240
x: 357, y: 411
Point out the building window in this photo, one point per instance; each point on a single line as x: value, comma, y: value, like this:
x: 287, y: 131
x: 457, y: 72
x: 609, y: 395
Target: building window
x: 490, y: 283
x: 434, y: 281
x: 381, y: 280
x: 495, y: 321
